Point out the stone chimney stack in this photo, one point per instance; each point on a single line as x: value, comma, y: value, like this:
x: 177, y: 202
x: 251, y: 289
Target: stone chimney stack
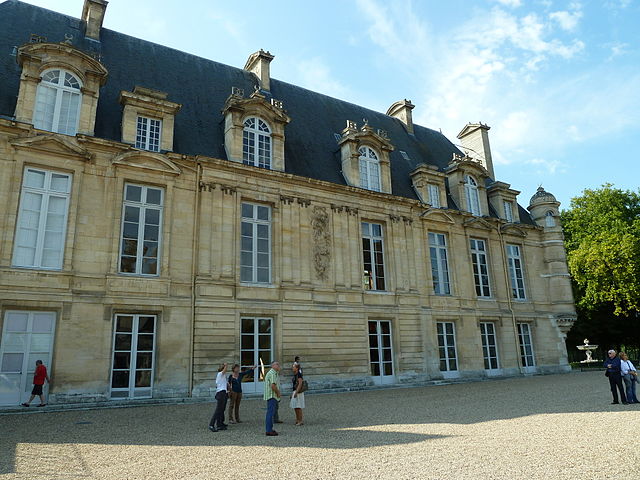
x: 402, y: 111
x: 93, y: 16
x: 258, y: 63
x: 475, y: 142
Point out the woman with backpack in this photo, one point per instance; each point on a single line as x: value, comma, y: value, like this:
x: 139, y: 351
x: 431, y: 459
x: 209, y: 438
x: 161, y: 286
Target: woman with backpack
x: 297, y: 396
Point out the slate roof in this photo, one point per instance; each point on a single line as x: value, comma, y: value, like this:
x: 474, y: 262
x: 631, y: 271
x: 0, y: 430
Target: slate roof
x: 202, y: 86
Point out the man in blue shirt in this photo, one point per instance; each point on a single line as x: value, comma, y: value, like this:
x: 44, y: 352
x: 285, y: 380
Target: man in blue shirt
x: 612, y: 364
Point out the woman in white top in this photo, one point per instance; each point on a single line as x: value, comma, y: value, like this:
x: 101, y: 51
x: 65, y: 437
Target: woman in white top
x: 222, y: 386
x: 629, y: 376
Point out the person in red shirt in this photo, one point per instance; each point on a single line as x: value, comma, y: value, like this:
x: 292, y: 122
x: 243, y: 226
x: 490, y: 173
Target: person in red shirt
x: 39, y: 377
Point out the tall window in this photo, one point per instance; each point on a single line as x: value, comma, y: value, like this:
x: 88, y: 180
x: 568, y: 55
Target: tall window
x: 471, y: 192
x: 148, y: 134
x: 434, y: 195
x: 256, y: 345
x: 255, y: 249
x: 439, y: 263
x: 489, y: 345
x: 58, y: 100
x: 380, y: 348
x: 141, y: 230
x: 256, y: 143
x: 447, y: 346
x: 42, y: 219
x: 369, y: 169
x: 549, y: 221
x: 514, y: 258
x: 526, y: 345
x: 480, y: 267
x: 508, y: 212
x: 133, y: 356
x: 373, y: 256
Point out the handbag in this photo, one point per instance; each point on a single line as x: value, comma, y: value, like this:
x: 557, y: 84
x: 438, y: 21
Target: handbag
x: 304, y: 387
x: 606, y: 373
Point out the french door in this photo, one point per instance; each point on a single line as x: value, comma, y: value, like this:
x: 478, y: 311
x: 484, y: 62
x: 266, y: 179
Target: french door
x: 381, y: 352
x: 133, y: 356
x: 527, y: 356
x: 256, y: 343
x: 447, y: 349
x: 489, y: 345
x: 27, y: 336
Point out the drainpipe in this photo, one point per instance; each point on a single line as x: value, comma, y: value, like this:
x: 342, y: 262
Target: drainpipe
x: 194, y: 257
x: 505, y: 270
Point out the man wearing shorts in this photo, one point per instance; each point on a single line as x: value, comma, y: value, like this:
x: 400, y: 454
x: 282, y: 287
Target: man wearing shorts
x: 38, y: 381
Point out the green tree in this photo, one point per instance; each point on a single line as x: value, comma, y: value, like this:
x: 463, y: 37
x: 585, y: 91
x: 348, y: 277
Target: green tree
x: 602, y: 237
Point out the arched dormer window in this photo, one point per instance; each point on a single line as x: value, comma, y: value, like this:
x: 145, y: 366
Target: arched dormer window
x: 256, y: 143
x: 369, y: 166
x: 549, y: 221
x: 58, y: 101
x: 471, y: 192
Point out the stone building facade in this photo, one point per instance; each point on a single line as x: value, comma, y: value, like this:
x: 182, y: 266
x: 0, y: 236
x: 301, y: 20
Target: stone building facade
x: 162, y: 213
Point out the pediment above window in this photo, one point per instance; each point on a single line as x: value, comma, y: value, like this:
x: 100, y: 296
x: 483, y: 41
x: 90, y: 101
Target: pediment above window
x: 478, y: 222
x: 147, y: 161
x: 438, y: 215
x: 237, y: 110
x: 468, y: 165
x: 53, y: 144
x: 513, y: 230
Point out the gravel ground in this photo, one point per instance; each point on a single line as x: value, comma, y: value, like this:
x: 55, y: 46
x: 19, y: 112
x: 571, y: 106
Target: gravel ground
x: 549, y: 427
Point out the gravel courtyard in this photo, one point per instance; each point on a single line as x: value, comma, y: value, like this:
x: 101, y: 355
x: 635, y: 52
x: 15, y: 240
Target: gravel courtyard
x: 551, y: 427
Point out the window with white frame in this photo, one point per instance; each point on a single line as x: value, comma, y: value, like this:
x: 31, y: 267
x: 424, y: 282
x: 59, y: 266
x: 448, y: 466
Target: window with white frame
x: 58, y: 100
x: 42, y: 219
x: 141, y: 230
x: 434, y: 195
x: 439, y: 263
x: 373, y: 256
x: 480, y: 267
x: 256, y: 143
x: 148, y: 131
x: 514, y: 259
x: 369, y: 166
x: 549, y: 219
x: 526, y: 345
x: 447, y: 346
x: 255, y: 248
x: 489, y: 345
x: 508, y: 212
x: 471, y: 192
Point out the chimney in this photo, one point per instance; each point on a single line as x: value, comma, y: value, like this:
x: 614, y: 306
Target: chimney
x: 258, y: 63
x: 402, y: 111
x: 93, y: 16
x: 475, y: 142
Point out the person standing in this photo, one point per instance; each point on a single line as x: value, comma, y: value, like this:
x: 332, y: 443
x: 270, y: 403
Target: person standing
x: 222, y: 386
x: 296, y: 361
x: 272, y: 396
x: 629, y: 376
x: 297, y: 395
x: 235, y: 395
x: 39, y: 376
x: 612, y: 364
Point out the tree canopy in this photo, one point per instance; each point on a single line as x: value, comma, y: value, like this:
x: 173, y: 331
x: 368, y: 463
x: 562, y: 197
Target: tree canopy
x: 602, y: 235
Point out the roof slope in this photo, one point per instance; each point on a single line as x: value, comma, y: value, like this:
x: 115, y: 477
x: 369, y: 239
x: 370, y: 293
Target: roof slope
x: 202, y: 86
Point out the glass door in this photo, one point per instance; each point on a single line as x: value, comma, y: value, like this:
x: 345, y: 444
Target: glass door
x: 381, y: 352
x: 447, y: 349
x: 489, y: 347
x: 26, y: 337
x: 256, y: 343
x: 133, y: 356
x: 526, y: 348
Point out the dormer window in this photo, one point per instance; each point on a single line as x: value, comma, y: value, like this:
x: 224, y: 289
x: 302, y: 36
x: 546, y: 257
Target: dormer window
x: 549, y: 221
x: 148, y: 131
x: 471, y: 192
x: 58, y: 101
x: 434, y: 195
x: 256, y: 143
x: 369, y: 166
x: 508, y: 212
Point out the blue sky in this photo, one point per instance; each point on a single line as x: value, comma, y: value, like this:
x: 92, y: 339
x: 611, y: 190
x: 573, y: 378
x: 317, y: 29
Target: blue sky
x: 558, y: 82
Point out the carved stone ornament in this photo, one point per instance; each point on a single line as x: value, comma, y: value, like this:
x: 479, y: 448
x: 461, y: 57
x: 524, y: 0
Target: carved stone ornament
x: 321, y: 242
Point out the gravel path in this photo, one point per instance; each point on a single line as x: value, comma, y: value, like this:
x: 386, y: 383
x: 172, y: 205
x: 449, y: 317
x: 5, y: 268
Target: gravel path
x: 551, y: 427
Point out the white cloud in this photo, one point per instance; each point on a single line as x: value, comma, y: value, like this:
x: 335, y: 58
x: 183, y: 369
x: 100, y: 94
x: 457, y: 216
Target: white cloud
x: 510, y: 3
x: 494, y: 68
x: 567, y: 20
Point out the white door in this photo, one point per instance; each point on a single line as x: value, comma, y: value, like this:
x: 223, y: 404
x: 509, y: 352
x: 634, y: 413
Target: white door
x: 133, y: 356
x: 26, y: 337
x: 256, y: 343
x: 381, y: 352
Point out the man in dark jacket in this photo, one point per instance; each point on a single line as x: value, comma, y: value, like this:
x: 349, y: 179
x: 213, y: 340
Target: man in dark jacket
x: 612, y: 364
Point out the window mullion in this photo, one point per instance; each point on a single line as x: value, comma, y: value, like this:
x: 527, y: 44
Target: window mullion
x: 254, y: 226
x: 141, y: 224
x: 56, y: 109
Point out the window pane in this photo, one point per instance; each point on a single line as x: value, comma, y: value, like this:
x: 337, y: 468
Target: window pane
x: 123, y: 342
x: 144, y: 360
x: 120, y: 379
x: 154, y: 196
x: 247, y: 325
x: 146, y: 324
x: 134, y: 193
x: 263, y: 213
x: 124, y: 324
x: 149, y: 266
x: 152, y: 216
x: 143, y: 378
x: 145, y: 342
x: 122, y: 360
